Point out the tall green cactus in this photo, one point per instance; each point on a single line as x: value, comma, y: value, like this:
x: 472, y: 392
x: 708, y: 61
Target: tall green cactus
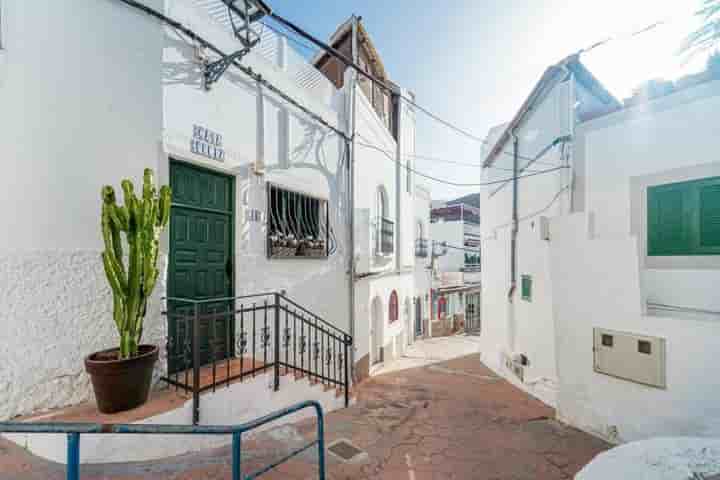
x: 142, y: 220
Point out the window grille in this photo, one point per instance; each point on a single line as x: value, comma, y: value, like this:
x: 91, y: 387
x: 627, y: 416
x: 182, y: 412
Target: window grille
x: 298, y: 225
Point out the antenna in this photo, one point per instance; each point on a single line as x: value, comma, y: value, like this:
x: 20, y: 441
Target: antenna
x: 243, y: 14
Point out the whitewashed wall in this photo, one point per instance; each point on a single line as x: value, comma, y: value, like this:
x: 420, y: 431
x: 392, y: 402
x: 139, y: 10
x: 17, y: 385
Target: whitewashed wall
x: 376, y: 167
x: 124, y: 95
x: 669, y: 140
x: 599, y: 262
x: 454, y: 234
x: 297, y: 154
x: 520, y: 326
x: 600, y: 281
x: 422, y: 272
x: 81, y: 107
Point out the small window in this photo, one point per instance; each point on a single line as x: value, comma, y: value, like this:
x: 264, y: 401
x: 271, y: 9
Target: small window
x: 644, y: 347
x: 393, y: 313
x: 684, y: 218
x: 607, y: 340
x: 297, y: 225
x: 526, y: 288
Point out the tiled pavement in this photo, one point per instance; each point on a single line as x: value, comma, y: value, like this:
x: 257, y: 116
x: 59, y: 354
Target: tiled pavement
x: 453, y: 419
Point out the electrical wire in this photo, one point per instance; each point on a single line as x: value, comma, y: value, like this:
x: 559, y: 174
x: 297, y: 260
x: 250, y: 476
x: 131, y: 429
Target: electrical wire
x: 195, y: 37
x: 647, y: 28
x: 455, y: 184
x: 297, y: 42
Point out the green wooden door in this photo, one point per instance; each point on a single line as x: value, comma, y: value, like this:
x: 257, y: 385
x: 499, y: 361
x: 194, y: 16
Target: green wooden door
x: 200, y: 265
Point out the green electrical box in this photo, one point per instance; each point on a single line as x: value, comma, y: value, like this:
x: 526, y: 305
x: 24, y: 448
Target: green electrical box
x: 526, y: 287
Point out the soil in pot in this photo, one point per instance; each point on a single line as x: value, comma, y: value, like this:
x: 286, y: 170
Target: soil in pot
x: 121, y: 384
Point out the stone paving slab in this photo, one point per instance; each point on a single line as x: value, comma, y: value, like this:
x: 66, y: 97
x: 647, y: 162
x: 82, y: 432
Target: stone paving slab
x: 453, y: 419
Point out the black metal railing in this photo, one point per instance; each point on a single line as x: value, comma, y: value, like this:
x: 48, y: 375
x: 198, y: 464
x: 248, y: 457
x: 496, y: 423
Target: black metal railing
x: 386, y: 236
x: 216, y: 342
x: 421, y: 248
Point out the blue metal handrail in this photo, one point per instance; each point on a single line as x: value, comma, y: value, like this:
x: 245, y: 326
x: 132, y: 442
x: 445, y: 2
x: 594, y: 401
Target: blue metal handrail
x: 74, y: 430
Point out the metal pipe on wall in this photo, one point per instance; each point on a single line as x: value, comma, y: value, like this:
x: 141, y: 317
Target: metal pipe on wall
x: 513, y: 245
x: 351, y: 187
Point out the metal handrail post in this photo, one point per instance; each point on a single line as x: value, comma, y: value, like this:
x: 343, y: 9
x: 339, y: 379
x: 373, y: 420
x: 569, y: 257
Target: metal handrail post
x: 196, y: 367
x: 277, y: 342
x: 347, y: 376
x: 73, y: 456
x: 236, y: 456
x: 320, y: 441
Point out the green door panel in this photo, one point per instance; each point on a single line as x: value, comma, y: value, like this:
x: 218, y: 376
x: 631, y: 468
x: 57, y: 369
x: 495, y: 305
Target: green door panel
x: 200, y: 264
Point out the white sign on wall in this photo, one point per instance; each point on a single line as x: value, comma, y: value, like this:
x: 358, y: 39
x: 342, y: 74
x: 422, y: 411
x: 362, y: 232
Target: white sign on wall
x: 207, y: 143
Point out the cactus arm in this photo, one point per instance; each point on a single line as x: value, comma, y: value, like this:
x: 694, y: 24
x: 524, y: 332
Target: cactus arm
x: 164, y: 206
x: 120, y: 217
x: 115, y: 282
x: 142, y: 220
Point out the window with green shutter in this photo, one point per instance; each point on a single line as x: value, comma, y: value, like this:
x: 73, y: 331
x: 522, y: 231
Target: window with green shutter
x: 684, y: 218
x: 526, y: 287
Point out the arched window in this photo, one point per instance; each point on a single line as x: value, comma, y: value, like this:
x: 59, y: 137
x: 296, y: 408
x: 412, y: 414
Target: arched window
x: 393, y: 313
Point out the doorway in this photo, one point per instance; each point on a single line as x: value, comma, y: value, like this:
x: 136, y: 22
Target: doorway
x: 376, y: 325
x: 200, y: 264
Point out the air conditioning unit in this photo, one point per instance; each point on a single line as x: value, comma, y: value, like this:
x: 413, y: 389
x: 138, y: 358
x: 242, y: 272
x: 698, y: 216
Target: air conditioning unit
x: 637, y: 358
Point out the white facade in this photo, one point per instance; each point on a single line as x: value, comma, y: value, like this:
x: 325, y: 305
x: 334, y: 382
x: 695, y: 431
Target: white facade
x: 81, y: 96
x: 583, y: 244
x: 423, y: 264
x: 382, y: 190
x: 104, y: 114
x: 127, y: 94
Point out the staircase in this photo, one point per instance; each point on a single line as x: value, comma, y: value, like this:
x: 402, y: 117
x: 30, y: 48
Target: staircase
x: 219, y: 342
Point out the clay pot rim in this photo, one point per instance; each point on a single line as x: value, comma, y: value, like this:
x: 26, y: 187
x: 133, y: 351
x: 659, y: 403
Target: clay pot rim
x: 146, y: 351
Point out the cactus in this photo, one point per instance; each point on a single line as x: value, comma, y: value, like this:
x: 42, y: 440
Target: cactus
x: 141, y: 220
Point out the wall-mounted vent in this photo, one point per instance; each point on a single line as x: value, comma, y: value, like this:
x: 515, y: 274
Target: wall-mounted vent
x: 637, y: 358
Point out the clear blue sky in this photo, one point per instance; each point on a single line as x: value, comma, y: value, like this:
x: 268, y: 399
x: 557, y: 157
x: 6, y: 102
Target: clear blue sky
x: 473, y: 62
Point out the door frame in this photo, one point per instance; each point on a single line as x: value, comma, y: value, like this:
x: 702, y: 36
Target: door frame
x: 177, y: 160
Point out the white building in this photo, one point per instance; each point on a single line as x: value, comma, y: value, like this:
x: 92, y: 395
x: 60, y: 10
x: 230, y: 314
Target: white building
x: 456, y: 227
x: 242, y: 160
x: 610, y: 308
x: 384, y: 219
x: 424, y: 264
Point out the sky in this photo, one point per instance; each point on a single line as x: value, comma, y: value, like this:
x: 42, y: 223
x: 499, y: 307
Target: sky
x: 473, y: 62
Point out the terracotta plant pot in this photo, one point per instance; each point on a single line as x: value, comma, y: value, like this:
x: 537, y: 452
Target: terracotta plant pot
x: 121, y: 385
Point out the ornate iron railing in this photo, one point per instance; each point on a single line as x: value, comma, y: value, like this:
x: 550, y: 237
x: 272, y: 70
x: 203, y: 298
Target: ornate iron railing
x: 386, y: 236
x: 216, y: 342
x: 421, y: 248
x: 74, y: 430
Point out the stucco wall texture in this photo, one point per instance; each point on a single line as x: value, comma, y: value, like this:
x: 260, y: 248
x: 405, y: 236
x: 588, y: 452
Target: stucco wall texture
x: 57, y: 308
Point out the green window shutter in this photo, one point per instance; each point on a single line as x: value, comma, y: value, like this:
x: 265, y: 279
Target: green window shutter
x: 684, y: 218
x: 710, y: 216
x: 668, y: 233
x: 526, y: 287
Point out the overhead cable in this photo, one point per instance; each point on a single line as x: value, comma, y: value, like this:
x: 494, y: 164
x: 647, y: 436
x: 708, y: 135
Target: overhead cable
x: 247, y: 70
x: 456, y: 184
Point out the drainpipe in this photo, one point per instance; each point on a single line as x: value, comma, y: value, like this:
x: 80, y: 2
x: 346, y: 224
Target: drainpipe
x: 513, y: 246
x: 351, y: 194
x: 398, y: 186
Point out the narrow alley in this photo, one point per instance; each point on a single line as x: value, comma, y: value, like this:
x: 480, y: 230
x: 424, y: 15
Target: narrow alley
x: 430, y: 416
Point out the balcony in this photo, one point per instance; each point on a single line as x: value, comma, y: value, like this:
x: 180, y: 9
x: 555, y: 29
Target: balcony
x: 385, y: 237
x: 421, y: 248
